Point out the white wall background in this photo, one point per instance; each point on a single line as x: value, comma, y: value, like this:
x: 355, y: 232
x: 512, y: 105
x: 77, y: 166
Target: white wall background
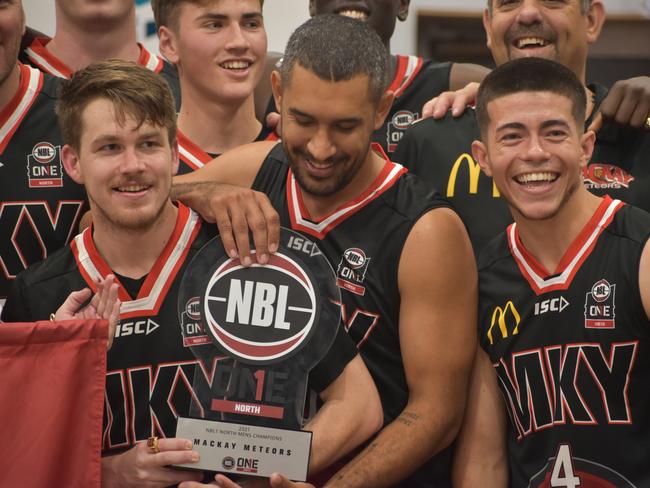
x: 282, y: 16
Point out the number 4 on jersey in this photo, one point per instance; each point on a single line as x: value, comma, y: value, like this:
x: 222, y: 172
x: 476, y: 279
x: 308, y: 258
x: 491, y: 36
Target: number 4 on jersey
x: 562, y: 475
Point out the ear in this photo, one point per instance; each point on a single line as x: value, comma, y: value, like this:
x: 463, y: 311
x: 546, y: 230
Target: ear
x: 312, y: 8
x: 71, y: 164
x: 488, y: 28
x: 403, y: 10
x: 167, y: 44
x: 276, y: 87
x: 480, y: 155
x: 587, y: 143
x: 385, y: 103
x: 175, y: 161
x: 595, y: 20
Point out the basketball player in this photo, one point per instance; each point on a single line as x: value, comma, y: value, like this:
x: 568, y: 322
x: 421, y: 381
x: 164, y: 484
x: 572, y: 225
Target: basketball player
x: 119, y: 121
x: 219, y: 48
x: 88, y: 31
x: 40, y: 204
x: 403, y: 261
x: 564, y: 301
x: 440, y: 151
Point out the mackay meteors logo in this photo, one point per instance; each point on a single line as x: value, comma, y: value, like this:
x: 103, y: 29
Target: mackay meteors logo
x: 44, y: 168
x: 605, y: 176
x: 260, y: 320
x: 600, y: 306
x: 352, y: 270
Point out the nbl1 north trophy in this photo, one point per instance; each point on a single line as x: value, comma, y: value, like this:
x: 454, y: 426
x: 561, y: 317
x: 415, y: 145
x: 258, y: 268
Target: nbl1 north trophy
x: 263, y: 328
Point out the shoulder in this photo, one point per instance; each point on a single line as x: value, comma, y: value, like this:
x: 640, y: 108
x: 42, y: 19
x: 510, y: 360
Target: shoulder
x: 411, y: 198
x: 49, y: 271
x: 630, y: 223
x: 493, y: 253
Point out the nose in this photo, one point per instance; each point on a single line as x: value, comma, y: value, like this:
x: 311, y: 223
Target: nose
x: 529, y: 12
x: 535, y: 150
x: 131, y: 161
x: 320, y: 145
x: 237, y: 39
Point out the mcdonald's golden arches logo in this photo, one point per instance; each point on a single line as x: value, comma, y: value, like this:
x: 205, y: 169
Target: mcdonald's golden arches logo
x: 505, y: 317
x: 474, y: 174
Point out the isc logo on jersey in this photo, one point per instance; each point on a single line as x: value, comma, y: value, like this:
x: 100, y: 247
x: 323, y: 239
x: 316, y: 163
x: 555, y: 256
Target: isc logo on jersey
x: 262, y: 319
x: 44, y: 168
x: 136, y: 327
x: 600, y: 306
x: 396, y: 127
x: 351, y: 271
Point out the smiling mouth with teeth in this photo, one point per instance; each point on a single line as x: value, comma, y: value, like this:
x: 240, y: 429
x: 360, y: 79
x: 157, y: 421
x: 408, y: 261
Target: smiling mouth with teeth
x: 236, y: 65
x: 536, y: 178
x: 131, y: 188
x: 529, y: 42
x: 354, y: 14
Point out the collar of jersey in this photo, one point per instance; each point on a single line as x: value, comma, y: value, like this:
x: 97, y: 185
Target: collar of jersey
x: 92, y: 266
x: 407, y: 69
x: 300, y: 219
x: 540, y: 280
x: 31, y: 82
x: 49, y: 63
x: 190, y: 153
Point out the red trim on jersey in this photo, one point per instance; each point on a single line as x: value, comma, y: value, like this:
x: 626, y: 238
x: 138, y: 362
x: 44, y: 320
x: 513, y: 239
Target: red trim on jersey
x: 38, y: 55
x: 540, y: 280
x: 149, y: 60
x: 299, y: 215
x: 190, y: 153
x: 407, y: 69
x: 160, y: 277
x: 47, y: 62
x: 30, y: 84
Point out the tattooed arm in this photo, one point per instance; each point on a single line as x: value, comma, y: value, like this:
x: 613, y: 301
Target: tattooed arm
x: 438, y: 290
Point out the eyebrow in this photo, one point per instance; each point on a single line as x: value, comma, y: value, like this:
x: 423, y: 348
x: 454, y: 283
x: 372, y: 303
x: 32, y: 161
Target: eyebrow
x: 215, y: 16
x: 519, y: 126
x: 300, y: 113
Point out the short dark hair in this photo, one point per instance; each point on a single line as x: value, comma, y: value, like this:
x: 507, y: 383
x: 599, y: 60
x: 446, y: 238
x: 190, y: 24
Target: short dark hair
x: 337, y: 48
x: 165, y: 12
x: 584, y: 6
x: 530, y: 75
x: 133, y: 90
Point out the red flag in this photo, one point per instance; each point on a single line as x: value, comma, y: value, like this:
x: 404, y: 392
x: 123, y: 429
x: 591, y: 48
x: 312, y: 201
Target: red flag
x: 52, y: 377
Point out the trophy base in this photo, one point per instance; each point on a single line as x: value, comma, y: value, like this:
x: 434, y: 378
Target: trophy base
x: 246, y: 449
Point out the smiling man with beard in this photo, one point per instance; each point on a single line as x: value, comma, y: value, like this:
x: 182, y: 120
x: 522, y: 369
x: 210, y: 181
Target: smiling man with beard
x: 402, y: 257
x: 119, y: 122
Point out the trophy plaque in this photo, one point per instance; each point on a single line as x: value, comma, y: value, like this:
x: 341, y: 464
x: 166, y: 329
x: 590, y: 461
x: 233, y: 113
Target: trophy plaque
x: 263, y: 328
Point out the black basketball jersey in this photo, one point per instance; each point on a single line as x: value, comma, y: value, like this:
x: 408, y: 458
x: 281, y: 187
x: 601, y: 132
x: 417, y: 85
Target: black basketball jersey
x: 571, y: 351
x: 363, y: 242
x: 416, y: 82
x: 152, y: 375
x: 38, y: 56
x: 440, y: 152
x: 40, y: 206
x: 192, y: 157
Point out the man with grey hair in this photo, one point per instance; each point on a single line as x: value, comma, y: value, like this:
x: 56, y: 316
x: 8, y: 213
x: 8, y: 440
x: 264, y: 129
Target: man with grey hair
x: 439, y: 151
x: 402, y: 257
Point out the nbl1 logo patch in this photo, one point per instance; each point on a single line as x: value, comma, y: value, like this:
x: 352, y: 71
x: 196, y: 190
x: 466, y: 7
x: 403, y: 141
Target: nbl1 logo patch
x: 264, y: 319
x: 44, y: 168
x: 400, y: 121
x: 600, y: 306
x: 351, y: 271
